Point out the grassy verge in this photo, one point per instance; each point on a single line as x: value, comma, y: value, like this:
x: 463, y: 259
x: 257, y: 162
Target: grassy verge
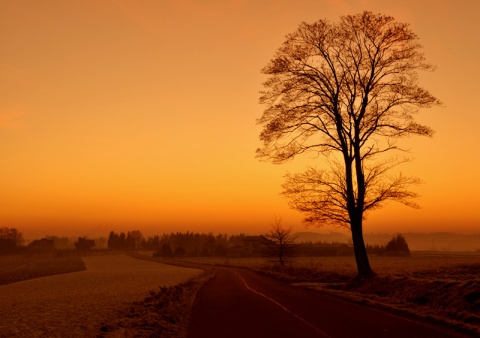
x: 448, y: 295
x: 163, y: 313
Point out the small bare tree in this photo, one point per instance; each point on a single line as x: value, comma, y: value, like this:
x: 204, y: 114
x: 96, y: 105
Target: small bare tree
x: 347, y: 91
x: 281, y: 241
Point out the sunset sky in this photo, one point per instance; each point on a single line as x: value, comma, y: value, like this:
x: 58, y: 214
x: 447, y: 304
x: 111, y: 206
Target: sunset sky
x: 121, y: 115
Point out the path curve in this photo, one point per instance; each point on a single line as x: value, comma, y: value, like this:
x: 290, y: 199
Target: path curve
x: 241, y: 303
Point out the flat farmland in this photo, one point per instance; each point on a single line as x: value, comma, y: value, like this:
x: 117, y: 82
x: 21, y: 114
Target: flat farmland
x: 15, y: 268
x: 77, y: 304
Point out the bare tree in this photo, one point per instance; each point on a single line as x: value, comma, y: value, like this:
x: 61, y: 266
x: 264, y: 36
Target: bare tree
x: 12, y: 234
x: 347, y: 91
x: 281, y: 240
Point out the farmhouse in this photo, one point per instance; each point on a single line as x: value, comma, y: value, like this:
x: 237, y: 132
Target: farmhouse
x: 41, y: 246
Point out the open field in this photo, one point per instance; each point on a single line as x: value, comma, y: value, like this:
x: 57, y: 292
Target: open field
x: 15, y: 268
x: 81, y: 303
x: 439, y: 287
x: 418, y: 262
x: 121, y: 296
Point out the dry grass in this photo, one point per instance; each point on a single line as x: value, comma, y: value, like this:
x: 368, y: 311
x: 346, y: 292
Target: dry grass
x: 79, y: 304
x: 17, y: 268
x: 164, y: 313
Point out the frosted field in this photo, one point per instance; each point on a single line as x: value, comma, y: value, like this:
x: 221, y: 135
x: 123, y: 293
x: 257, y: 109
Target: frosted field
x: 77, y: 304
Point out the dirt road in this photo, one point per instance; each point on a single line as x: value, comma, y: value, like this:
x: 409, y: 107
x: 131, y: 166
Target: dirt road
x: 241, y: 303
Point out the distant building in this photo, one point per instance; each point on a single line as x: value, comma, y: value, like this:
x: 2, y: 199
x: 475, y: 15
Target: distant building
x: 250, y: 246
x: 41, y: 246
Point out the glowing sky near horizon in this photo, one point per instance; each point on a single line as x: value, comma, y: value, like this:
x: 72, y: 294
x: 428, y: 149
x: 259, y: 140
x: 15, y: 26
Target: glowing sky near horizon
x: 118, y: 115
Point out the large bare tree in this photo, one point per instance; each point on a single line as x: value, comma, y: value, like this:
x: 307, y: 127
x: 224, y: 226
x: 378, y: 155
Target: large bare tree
x: 346, y: 90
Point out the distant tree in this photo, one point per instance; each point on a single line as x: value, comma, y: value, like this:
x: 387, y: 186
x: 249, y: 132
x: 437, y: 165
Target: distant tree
x: 112, y: 241
x: 204, y: 252
x: 281, y: 242
x: 220, y: 250
x: 166, y: 251
x: 84, y: 243
x: 122, y: 241
x: 236, y: 240
x: 137, y: 238
x: 61, y: 242
x: 347, y: 91
x: 101, y: 242
x: 129, y: 242
x: 397, y: 246
x: 151, y: 243
x: 12, y: 234
x: 375, y: 249
x: 179, y: 251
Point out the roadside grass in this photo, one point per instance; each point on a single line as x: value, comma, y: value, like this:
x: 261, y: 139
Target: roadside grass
x: 440, y: 287
x: 164, y: 313
x: 16, y: 268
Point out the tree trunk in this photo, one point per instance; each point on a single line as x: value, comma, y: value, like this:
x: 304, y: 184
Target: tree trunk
x: 361, y: 257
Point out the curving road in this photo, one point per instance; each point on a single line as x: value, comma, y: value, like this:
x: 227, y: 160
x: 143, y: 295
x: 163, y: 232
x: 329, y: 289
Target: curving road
x: 242, y: 303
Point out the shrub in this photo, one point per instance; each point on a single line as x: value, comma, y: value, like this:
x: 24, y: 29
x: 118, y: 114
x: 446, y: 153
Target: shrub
x: 397, y: 246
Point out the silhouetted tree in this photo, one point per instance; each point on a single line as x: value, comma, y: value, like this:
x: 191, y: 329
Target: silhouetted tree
x: 220, y: 250
x: 179, y: 251
x: 348, y: 91
x: 151, y: 243
x: 134, y: 239
x: 112, y: 241
x: 397, y: 246
x: 11, y: 234
x: 100, y: 242
x: 122, y: 241
x: 204, y: 252
x: 129, y: 242
x: 61, y: 242
x: 166, y: 251
x: 84, y: 243
x: 281, y: 241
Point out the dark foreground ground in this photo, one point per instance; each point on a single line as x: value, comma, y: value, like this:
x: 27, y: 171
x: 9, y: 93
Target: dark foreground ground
x: 241, y: 303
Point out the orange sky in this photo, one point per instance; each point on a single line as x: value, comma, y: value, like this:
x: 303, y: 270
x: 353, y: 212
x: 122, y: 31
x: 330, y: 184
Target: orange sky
x: 118, y: 115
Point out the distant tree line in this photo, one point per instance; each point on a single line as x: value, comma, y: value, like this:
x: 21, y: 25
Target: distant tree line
x: 175, y: 244
x: 397, y: 246
x: 193, y: 244
x: 133, y: 240
x: 199, y: 244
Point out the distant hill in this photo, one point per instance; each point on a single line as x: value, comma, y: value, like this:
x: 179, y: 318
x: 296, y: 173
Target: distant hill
x: 417, y: 241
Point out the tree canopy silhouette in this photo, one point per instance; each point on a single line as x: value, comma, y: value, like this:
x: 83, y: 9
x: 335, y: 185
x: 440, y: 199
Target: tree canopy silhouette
x: 346, y: 90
